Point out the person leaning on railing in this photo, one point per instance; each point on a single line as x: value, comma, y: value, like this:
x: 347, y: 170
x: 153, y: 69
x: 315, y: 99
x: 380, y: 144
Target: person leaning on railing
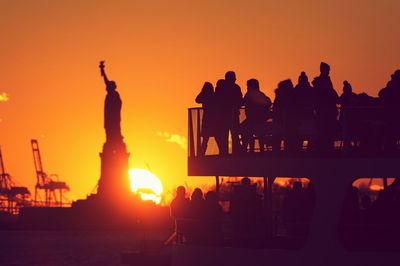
x: 209, y: 122
x: 257, y: 109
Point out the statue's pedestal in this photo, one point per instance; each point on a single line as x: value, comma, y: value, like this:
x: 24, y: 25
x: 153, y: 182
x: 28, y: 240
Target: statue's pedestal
x: 114, y: 186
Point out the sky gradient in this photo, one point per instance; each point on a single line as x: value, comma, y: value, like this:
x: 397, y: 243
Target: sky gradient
x: 160, y: 53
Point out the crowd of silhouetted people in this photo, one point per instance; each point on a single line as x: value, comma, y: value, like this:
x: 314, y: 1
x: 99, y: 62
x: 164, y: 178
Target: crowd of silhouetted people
x: 383, y: 210
x: 302, y: 116
x: 200, y: 218
x: 197, y: 219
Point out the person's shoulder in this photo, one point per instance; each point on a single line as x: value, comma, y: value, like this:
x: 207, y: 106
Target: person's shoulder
x: 264, y: 96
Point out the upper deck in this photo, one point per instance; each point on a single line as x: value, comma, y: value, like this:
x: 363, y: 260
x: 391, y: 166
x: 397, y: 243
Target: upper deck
x: 354, y: 160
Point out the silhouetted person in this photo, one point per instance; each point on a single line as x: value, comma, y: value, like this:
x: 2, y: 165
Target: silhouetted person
x: 245, y: 211
x: 213, y: 216
x: 257, y: 109
x: 222, y: 116
x: 295, y: 210
x: 325, y: 107
x: 348, y: 118
x: 195, y: 225
x: 368, y: 124
x: 283, y: 113
x: 112, y: 109
x: 303, y: 104
x: 179, y: 208
x: 208, y: 125
x: 197, y: 204
x: 233, y: 99
x: 348, y: 98
x: 390, y: 99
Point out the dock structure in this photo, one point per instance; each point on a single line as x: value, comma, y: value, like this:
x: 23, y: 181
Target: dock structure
x: 49, y: 191
x: 12, y: 197
x: 331, y: 173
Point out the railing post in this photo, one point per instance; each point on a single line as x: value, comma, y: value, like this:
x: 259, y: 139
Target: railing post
x: 198, y: 133
x: 268, y: 182
x: 191, y: 137
x: 217, y: 185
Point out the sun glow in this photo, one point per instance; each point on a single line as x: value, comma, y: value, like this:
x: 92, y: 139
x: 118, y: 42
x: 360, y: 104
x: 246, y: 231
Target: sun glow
x: 146, y: 184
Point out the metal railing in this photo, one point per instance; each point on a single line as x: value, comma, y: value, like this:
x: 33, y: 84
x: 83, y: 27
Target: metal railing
x: 361, y: 130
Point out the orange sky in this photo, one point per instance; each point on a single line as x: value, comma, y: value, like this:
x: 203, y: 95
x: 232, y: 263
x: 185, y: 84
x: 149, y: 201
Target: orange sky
x: 160, y: 53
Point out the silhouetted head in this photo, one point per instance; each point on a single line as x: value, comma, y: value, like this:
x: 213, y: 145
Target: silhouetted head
x: 207, y: 88
x: 211, y: 196
x: 347, y: 87
x: 297, y: 186
x: 396, y: 75
x: 324, y: 68
x: 180, y: 192
x: 197, y: 194
x: 220, y: 83
x: 285, y: 84
x: 303, y: 79
x: 245, y: 181
x: 230, y: 76
x: 253, y: 84
x: 111, y: 86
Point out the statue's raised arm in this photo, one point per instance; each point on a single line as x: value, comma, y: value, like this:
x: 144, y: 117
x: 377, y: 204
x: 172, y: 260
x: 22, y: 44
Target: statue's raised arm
x: 103, y: 73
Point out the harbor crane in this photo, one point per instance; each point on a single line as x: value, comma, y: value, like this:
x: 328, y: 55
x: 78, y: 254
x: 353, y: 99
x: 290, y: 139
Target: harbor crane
x: 12, y: 197
x: 49, y: 185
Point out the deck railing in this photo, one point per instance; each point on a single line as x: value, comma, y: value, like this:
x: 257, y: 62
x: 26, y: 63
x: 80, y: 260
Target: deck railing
x: 360, y: 130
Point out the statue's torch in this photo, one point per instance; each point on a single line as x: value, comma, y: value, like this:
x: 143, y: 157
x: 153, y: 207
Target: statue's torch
x: 102, y: 66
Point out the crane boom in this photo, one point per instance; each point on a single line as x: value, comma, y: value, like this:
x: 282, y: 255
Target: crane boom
x: 44, y: 182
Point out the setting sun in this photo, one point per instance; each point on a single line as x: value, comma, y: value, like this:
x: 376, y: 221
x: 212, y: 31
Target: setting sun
x: 146, y: 184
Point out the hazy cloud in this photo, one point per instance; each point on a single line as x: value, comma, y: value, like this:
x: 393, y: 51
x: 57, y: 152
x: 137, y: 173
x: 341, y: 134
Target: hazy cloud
x: 4, y: 97
x: 181, y: 141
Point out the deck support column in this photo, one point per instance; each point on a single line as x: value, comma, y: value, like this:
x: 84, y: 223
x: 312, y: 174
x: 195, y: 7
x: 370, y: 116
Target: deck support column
x: 330, y: 190
x: 217, y: 184
x: 268, y: 182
